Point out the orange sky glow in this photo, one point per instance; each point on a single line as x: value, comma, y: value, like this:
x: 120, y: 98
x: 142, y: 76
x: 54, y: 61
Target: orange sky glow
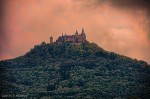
x: 29, y: 22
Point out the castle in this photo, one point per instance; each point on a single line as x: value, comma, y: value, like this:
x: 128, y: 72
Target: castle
x: 73, y: 39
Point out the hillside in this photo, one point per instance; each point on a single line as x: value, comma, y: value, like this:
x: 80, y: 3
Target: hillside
x: 69, y: 71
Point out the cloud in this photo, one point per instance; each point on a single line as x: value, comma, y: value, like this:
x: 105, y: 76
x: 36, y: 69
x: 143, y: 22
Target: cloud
x: 136, y: 4
x: 3, y: 38
x: 133, y: 6
x: 142, y: 4
x: 124, y: 35
x: 112, y: 25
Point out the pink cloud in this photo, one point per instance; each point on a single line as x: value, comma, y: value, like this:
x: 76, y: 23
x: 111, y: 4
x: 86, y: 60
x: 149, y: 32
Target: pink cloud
x: 28, y: 23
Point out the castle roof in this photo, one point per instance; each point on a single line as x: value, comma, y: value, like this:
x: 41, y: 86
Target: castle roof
x: 76, y: 38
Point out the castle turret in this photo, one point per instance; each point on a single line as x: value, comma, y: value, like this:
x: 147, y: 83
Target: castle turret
x: 62, y: 39
x: 51, y: 40
x: 76, y: 37
x: 82, y: 30
x: 76, y: 32
x: 83, y: 35
x: 65, y: 37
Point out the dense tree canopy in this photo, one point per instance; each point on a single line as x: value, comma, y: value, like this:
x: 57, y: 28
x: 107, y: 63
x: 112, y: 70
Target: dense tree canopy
x: 69, y: 70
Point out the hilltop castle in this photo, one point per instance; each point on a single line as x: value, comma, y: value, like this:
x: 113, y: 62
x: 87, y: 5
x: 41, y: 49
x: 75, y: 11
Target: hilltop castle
x: 74, y: 39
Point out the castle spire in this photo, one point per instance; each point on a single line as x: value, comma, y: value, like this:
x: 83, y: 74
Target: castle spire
x: 82, y: 30
x: 76, y: 32
x: 51, y: 40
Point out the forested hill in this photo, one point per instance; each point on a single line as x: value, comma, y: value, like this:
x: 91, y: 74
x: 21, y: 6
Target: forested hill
x: 74, y: 71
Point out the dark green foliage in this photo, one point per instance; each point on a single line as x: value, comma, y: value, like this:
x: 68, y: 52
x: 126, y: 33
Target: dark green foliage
x: 75, y: 71
x: 51, y: 87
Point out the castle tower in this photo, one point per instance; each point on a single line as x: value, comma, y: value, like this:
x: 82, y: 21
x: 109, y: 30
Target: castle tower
x: 62, y: 37
x: 83, y: 35
x: 76, y: 33
x: 65, y: 37
x: 51, y: 40
x: 83, y: 30
x: 76, y: 37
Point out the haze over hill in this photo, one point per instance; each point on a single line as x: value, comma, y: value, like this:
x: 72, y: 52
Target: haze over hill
x: 74, y: 71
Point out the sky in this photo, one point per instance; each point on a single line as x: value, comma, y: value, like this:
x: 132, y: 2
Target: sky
x: 120, y: 26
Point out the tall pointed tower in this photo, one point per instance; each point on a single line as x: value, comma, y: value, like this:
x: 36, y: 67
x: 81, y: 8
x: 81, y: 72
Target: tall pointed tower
x: 51, y: 40
x: 76, y: 33
x: 82, y: 30
x: 83, y: 35
x: 76, y: 37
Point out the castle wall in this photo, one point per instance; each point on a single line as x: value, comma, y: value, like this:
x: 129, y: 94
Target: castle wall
x: 72, y: 38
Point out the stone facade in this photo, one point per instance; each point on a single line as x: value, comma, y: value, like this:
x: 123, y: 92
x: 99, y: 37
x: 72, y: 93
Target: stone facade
x: 77, y: 38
